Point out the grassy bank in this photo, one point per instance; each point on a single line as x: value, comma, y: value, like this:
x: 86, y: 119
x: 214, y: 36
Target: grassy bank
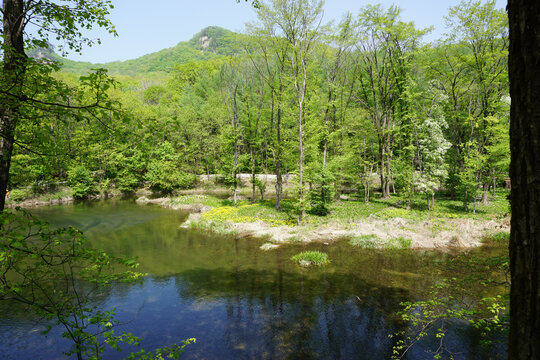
x: 382, y: 223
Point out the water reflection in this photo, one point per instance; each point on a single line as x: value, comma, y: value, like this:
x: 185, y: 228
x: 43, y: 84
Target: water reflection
x: 238, y: 301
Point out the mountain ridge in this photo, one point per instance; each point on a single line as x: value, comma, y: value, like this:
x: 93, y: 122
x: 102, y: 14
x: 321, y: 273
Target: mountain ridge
x: 212, y: 42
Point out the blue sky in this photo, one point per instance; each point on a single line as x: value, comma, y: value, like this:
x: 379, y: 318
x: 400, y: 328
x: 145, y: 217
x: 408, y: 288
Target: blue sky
x: 147, y: 26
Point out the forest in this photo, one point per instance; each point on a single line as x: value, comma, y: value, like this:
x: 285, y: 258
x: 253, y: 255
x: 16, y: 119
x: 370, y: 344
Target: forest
x: 363, y: 105
x: 357, y: 133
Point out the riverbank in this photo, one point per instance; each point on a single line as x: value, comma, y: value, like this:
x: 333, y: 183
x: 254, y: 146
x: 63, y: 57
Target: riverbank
x: 379, y: 224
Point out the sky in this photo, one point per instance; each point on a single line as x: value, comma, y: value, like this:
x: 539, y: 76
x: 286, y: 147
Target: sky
x: 145, y: 26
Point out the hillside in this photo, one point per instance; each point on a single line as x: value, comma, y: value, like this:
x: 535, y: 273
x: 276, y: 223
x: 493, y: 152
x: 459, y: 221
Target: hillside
x: 210, y: 43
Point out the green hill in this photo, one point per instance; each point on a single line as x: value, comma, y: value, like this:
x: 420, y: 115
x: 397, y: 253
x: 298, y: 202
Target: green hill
x: 210, y: 43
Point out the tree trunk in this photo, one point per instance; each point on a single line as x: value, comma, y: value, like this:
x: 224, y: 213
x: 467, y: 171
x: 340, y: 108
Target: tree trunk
x: 382, y: 177
x: 301, y: 165
x: 485, y: 194
x: 494, y: 185
x: 254, y: 191
x: 524, y: 71
x: 12, y: 81
x: 279, y: 180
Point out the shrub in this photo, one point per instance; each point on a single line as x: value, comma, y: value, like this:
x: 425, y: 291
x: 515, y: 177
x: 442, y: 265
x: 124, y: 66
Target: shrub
x: 307, y: 258
x: 127, y: 182
x: 18, y: 195
x: 322, y: 193
x: 81, y: 181
x: 164, y: 176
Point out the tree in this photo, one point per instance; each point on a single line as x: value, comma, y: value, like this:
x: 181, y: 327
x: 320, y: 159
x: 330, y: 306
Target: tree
x: 385, y: 49
x: 61, y: 19
x: 524, y: 57
x: 299, y: 21
x: 56, y: 274
x: 274, y: 53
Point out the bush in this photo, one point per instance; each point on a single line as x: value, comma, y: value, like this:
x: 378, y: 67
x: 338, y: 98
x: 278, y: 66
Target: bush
x: 81, y: 181
x: 18, y: 195
x: 127, y: 182
x: 164, y: 176
x: 322, y: 193
x: 307, y: 258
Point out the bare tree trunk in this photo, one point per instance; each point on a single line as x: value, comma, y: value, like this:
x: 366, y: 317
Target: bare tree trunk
x: 524, y: 60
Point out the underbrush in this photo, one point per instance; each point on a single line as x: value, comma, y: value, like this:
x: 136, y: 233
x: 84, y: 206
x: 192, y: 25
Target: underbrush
x: 20, y: 195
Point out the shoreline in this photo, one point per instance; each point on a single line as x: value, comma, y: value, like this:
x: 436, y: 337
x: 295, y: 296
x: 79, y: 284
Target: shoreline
x: 433, y: 234
x: 371, y: 232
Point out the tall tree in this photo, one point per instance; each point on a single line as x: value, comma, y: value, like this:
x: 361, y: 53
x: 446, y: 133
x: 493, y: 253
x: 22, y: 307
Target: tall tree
x: 61, y: 19
x: 274, y: 53
x: 524, y: 70
x: 385, y: 47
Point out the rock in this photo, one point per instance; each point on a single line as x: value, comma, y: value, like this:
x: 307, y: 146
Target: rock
x: 305, y: 263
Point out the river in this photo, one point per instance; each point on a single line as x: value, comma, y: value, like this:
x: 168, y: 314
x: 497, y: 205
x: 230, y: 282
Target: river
x: 240, y: 302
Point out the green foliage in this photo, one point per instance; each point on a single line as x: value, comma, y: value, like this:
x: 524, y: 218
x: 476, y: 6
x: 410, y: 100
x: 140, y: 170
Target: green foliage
x: 373, y: 242
x: 453, y: 299
x: 45, y: 268
x: 168, y: 352
x: 56, y: 274
x: 81, y: 181
x: 18, y: 195
x: 164, y: 176
x: 365, y: 241
x: 307, y: 258
x: 261, y: 186
x: 322, y: 192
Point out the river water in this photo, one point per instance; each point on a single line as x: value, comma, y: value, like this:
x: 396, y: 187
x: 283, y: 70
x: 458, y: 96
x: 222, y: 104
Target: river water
x: 240, y: 302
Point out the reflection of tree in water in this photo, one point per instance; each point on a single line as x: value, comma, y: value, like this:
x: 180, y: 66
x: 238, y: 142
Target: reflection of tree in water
x: 280, y: 314
x: 255, y: 304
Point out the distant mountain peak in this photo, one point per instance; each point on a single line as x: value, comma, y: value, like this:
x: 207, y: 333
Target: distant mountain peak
x: 209, y: 43
x: 213, y: 39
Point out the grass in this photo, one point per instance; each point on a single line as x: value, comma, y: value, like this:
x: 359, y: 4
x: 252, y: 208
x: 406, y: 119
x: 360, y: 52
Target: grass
x: 346, y: 213
x: 373, y: 242
x: 307, y: 258
x: 197, y: 199
x: 500, y: 237
x: 365, y: 241
x: 247, y: 212
x: 221, y: 228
